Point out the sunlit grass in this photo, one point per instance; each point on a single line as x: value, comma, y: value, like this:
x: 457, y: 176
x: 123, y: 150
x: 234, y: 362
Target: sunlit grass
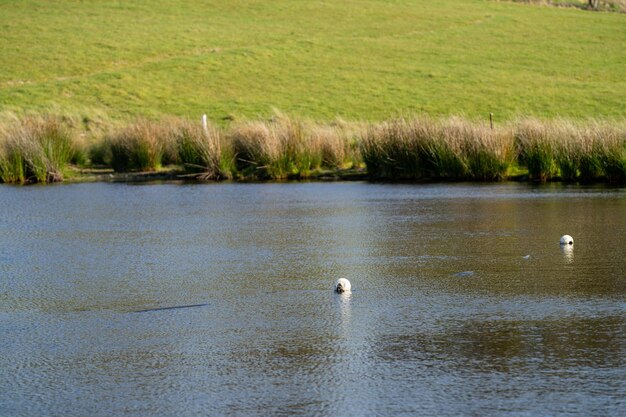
x: 370, y: 60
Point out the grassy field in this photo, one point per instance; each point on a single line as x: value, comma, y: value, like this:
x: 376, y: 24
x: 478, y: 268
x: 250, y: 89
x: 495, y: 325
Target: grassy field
x: 361, y: 60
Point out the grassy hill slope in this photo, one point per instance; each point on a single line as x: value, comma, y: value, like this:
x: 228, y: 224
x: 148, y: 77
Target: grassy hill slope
x: 365, y: 59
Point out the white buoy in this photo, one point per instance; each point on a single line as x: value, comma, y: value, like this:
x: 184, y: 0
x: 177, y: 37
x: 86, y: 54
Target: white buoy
x: 342, y: 285
x: 567, y: 240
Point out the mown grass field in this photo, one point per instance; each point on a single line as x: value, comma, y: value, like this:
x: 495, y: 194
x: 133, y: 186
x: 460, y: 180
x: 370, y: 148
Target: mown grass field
x: 360, y: 60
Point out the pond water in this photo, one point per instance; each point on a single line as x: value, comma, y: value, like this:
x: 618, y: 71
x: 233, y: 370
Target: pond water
x: 462, y: 303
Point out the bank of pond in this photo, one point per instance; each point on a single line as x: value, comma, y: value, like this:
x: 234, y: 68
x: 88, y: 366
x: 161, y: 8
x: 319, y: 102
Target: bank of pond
x: 50, y: 148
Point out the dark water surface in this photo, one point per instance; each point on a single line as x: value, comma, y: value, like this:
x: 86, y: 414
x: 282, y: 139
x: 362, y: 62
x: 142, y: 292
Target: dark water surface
x: 217, y: 300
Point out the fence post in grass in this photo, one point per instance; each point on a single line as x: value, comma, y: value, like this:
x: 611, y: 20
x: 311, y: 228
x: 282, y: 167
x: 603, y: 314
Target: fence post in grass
x: 204, y: 124
x: 491, y: 120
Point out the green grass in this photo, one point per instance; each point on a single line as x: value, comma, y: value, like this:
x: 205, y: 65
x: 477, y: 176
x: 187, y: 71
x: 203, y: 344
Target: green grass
x: 360, y: 60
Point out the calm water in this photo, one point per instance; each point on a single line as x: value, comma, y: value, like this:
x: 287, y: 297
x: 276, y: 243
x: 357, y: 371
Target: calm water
x: 463, y: 302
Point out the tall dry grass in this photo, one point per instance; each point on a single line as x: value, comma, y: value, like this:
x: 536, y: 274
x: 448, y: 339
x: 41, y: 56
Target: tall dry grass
x: 258, y: 148
x: 337, y: 144
x: 536, y: 143
x: 609, y: 148
x: 40, y: 148
x: 571, y: 151
x: 139, y: 146
x: 36, y: 149
x: 203, y: 150
x: 284, y: 147
x: 147, y: 145
x: 425, y: 148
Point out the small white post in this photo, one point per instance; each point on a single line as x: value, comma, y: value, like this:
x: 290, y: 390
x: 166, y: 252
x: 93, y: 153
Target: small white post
x: 204, y: 124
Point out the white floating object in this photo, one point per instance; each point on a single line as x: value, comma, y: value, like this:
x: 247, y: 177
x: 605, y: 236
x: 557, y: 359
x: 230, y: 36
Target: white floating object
x: 567, y: 240
x: 342, y: 285
x: 526, y: 257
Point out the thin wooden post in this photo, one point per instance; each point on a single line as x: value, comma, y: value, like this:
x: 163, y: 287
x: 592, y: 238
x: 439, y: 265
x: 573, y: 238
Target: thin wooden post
x: 204, y: 124
x: 491, y: 120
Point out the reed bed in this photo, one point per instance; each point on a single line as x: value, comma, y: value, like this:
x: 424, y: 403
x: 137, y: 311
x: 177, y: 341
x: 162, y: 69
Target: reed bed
x: 40, y: 148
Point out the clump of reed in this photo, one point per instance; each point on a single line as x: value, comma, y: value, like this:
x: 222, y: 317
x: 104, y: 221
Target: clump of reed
x: 274, y: 149
x: 338, y: 143
x: 536, y: 144
x: 489, y: 152
x: 424, y: 148
x: 569, y: 151
x: 391, y: 150
x: 287, y: 148
x: 139, y: 146
x: 146, y: 145
x: 609, y: 149
x: 36, y: 149
x: 202, y: 151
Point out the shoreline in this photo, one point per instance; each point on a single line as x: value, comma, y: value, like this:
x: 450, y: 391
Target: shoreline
x: 176, y: 174
x: 84, y: 175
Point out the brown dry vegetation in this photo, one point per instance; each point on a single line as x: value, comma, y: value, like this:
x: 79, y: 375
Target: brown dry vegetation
x: 39, y: 148
x: 425, y: 148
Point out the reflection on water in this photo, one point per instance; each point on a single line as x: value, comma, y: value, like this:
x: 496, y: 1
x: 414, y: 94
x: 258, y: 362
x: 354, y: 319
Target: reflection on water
x: 507, y: 346
x: 345, y: 310
x: 568, y: 253
x: 463, y: 301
